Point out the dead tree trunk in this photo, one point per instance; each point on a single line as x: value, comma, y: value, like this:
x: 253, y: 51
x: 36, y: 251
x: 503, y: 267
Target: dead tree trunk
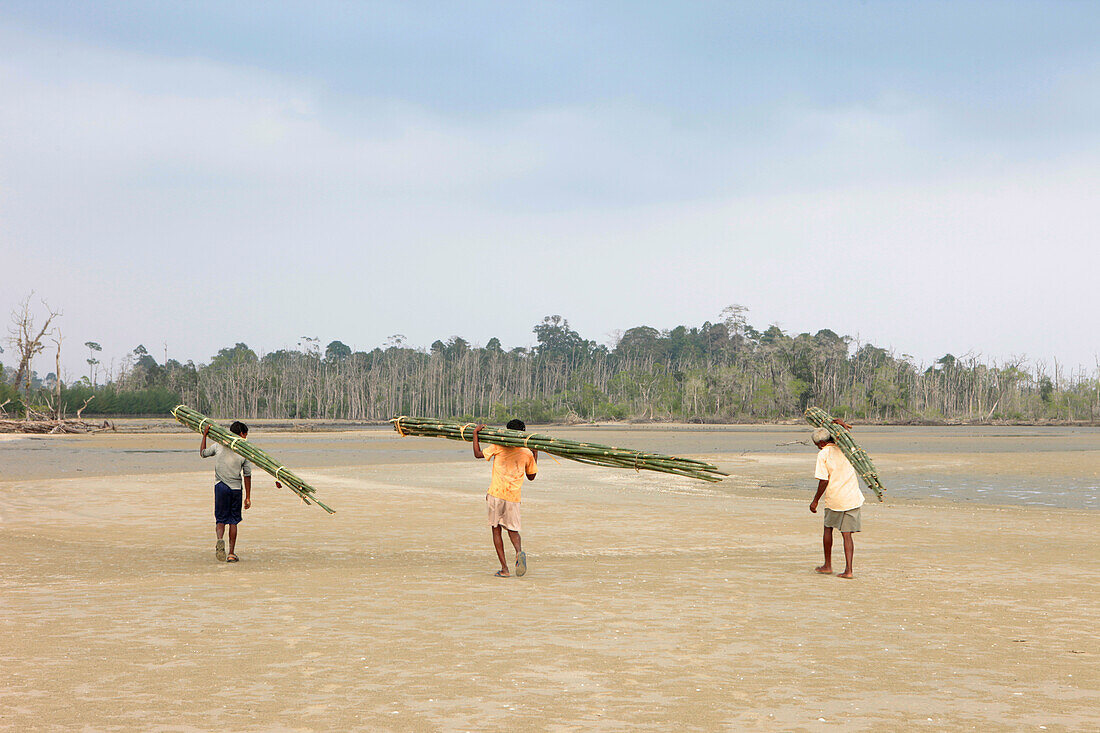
x: 57, y: 375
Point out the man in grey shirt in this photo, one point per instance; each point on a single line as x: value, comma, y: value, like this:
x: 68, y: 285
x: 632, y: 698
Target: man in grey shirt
x: 229, y: 469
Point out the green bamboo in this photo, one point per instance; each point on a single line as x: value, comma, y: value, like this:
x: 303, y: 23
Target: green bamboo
x: 589, y: 453
x: 256, y: 456
x: 861, y: 462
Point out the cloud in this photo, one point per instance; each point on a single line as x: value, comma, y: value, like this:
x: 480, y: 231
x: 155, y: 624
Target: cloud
x: 156, y: 194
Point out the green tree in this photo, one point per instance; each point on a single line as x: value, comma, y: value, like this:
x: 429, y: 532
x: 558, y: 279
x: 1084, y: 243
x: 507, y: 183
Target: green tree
x: 556, y: 338
x: 337, y: 351
x: 232, y: 356
x: 638, y: 341
x: 93, y: 361
x: 456, y: 346
x: 1046, y: 390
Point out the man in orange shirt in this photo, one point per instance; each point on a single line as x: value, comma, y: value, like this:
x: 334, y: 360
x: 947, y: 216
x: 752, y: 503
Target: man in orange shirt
x: 511, y: 464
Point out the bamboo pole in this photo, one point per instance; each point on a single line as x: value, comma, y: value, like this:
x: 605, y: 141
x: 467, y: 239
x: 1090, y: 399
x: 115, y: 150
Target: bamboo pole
x: 197, y: 422
x: 590, y: 453
x: 861, y: 462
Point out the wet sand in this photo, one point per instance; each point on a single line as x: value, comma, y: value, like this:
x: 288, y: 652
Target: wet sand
x: 652, y: 601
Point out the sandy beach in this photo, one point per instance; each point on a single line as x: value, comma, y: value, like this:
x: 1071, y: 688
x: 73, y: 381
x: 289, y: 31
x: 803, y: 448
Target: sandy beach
x: 652, y: 602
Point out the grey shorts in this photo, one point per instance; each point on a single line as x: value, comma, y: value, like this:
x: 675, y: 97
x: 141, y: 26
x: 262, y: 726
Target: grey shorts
x: 848, y: 521
x: 503, y: 513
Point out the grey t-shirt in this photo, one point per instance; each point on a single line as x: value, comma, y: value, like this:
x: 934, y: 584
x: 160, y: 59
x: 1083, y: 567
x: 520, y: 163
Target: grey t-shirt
x: 229, y: 467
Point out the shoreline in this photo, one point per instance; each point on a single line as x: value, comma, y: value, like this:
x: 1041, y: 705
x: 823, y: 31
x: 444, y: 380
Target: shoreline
x: 787, y: 496
x: 167, y: 425
x: 988, y: 466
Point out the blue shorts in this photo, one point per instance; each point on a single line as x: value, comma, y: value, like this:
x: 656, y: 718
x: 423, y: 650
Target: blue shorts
x: 227, y: 504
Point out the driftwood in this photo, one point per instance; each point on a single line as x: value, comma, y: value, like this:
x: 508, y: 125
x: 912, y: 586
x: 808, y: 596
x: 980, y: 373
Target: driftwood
x: 40, y: 423
x: 53, y: 427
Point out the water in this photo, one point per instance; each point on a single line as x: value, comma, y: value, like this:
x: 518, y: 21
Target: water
x: 1071, y: 493
x: 1028, y: 466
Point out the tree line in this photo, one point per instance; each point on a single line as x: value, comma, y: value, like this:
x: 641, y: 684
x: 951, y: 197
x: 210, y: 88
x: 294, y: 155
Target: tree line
x: 725, y: 371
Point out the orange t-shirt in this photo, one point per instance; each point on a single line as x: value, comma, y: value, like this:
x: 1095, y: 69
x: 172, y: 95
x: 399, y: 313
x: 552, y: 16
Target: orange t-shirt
x: 511, y: 466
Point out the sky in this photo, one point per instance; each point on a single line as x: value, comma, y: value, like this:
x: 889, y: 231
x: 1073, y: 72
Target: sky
x: 187, y: 175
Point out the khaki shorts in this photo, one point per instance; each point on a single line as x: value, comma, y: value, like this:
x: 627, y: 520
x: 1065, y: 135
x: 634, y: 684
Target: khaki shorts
x: 503, y: 513
x: 848, y: 521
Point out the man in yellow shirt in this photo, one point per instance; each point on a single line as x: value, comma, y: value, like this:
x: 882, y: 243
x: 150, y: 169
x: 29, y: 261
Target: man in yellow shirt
x: 838, y: 488
x: 510, y: 465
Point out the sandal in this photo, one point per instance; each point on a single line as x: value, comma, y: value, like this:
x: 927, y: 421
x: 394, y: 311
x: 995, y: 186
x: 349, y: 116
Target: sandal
x: 232, y: 558
x: 219, y: 551
x: 502, y: 574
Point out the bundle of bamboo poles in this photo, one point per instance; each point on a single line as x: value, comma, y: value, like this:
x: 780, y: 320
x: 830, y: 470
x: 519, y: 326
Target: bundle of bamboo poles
x: 257, y: 457
x: 591, y: 453
x: 861, y: 462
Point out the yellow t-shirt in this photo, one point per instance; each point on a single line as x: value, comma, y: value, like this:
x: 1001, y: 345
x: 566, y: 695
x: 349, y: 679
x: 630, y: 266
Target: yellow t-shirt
x: 843, y: 492
x: 511, y: 466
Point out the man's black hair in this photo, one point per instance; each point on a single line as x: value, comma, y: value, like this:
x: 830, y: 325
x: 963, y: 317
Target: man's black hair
x: 515, y: 424
x: 238, y: 427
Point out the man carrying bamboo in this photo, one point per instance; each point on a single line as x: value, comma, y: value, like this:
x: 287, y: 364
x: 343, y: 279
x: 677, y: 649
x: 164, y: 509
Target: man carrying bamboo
x: 838, y: 487
x: 511, y: 464
x: 229, y: 468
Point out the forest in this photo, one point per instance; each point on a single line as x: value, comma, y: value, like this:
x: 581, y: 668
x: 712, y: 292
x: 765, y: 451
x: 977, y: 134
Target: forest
x: 721, y: 372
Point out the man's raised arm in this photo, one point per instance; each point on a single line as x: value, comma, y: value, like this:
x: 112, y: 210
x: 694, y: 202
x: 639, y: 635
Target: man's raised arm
x: 477, y: 445
x: 203, y: 450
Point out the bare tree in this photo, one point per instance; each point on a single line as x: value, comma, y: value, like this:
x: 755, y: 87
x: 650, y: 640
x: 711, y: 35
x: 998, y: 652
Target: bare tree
x: 27, y: 343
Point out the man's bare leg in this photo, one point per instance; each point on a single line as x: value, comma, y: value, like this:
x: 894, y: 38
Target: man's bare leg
x: 498, y: 543
x: 232, y: 538
x: 521, y: 558
x: 827, y: 542
x: 849, y: 550
x: 219, y: 549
